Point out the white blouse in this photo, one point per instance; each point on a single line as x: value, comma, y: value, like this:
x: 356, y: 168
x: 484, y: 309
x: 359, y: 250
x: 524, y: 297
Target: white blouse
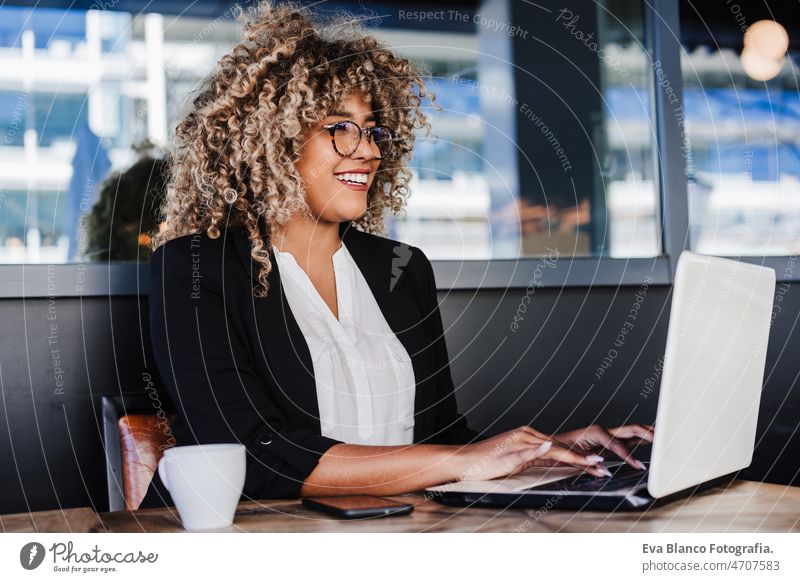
x: 364, y: 377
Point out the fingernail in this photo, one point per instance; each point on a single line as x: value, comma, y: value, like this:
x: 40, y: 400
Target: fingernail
x: 545, y: 446
x: 595, y: 458
x: 604, y: 470
x: 640, y: 465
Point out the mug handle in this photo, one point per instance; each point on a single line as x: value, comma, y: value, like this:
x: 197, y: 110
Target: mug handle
x: 162, y: 471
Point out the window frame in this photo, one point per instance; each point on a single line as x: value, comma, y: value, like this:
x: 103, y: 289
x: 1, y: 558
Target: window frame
x: 662, y: 35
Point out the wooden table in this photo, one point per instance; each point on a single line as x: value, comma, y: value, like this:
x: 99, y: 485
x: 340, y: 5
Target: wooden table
x: 75, y: 520
x: 740, y: 506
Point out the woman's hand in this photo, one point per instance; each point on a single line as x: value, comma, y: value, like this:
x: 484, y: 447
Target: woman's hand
x: 347, y: 469
x: 619, y: 440
x: 516, y: 450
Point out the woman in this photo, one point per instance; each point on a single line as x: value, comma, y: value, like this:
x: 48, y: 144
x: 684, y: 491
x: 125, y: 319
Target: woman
x: 278, y: 319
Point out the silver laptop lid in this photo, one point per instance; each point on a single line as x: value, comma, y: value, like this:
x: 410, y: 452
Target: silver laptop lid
x: 713, y: 371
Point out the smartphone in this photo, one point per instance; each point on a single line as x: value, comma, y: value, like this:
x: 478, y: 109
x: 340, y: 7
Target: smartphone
x: 355, y: 506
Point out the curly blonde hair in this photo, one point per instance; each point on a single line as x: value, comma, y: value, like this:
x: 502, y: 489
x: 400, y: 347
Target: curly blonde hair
x: 233, y: 160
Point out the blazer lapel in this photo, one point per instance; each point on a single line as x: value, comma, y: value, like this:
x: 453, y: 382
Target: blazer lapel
x: 284, y: 346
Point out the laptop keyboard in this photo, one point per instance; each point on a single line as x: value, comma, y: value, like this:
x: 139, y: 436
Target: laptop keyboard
x: 623, y: 477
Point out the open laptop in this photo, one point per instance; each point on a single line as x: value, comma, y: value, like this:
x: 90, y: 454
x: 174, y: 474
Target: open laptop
x: 707, y: 406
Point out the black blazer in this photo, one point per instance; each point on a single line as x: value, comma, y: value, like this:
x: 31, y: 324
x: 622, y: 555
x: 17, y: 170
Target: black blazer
x: 238, y: 368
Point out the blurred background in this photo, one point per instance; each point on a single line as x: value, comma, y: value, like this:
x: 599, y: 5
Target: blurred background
x: 570, y: 161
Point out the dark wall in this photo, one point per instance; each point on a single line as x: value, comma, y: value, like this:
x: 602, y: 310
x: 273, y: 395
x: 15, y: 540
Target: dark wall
x: 58, y: 357
x: 543, y: 373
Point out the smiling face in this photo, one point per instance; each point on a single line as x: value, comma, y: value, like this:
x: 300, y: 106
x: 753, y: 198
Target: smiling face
x: 330, y: 193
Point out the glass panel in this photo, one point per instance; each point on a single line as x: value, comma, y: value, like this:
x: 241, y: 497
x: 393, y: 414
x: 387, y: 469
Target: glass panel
x: 582, y: 144
x: 743, y: 127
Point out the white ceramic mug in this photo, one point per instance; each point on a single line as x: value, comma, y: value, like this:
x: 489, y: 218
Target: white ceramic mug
x: 205, y: 482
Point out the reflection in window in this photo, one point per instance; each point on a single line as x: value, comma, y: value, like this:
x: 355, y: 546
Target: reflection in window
x: 66, y: 122
x: 574, y: 171
x: 742, y: 109
x: 126, y: 211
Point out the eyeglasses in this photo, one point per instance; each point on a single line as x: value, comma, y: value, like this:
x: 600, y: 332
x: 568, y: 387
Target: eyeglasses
x: 346, y: 137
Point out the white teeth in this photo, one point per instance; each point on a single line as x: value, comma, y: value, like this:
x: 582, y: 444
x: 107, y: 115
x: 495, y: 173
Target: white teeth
x: 356, y: 178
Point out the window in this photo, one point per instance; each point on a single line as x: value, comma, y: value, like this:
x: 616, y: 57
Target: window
x: 556, y: 152
x: 547, y: 140
x: 743, y: 121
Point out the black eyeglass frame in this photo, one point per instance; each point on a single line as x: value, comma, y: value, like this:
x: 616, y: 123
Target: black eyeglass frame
x: 368, y: 131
